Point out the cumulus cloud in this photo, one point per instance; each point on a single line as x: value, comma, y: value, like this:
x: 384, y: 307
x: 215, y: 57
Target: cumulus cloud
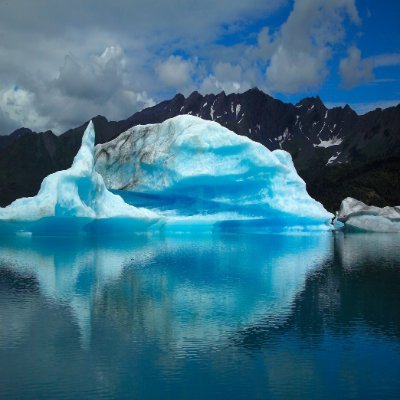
x: 64, y: 62
x: 303, y: 46
x: 293, y: 71
x: 11, y: 116
x: 98, y: 79
x: 54, y: 53
x: 225, y: 77
x: 80, y: 91
x: 293, y: 57
x: 175, y: 72
x: 355, y: 70
x: 17, y: 108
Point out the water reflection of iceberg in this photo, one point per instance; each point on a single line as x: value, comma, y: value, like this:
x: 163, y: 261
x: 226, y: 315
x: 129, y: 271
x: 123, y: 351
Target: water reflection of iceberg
x: 358, y: 249
x: 187, y: 292
x: 356, y: 289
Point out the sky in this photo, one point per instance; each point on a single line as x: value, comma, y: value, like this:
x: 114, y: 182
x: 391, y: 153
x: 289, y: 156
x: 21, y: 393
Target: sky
x: 63, y: 62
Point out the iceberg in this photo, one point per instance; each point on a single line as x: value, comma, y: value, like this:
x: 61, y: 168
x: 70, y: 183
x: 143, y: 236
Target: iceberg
x: 185, y: 174
x: 358, y: 217
x: 75, y: 200
x: 193, y: 171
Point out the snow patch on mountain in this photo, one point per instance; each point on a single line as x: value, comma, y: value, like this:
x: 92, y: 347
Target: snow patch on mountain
x: 334, y: 141
x: 238, y: 108
x: 333, y: 158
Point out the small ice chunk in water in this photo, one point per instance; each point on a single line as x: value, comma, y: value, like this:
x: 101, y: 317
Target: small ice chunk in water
x: 357, y: 216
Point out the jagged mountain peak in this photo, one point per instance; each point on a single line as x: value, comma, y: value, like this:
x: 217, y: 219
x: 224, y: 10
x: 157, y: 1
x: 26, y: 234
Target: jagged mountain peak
x: 99, y: 118
x: 178, y: 97
x: 194, y: 96
x: 348, y: 109
x: 309, y: 102
x: 21, y: 131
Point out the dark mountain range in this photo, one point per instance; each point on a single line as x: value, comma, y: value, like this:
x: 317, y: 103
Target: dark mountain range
x: 337, y: 152
x: 6, y: 140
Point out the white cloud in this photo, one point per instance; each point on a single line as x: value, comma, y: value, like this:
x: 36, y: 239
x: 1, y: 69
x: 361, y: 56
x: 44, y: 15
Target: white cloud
x: 212, y: 85
x: 155, y: 21
x: 355, y: 70
x: 305, y: 43
x: 175, y: 72
x: 48, y: 49
x: 227, y: 71
x: 264, y: 48
x: 7, y: 124
x: 72, y: 60
x: 226, y: 77
x: 98, y: 79
x: 17, y: 106
x: 292, y: 58
x: 294, y: 71
x: 386, y: 60
x: 81, y: 90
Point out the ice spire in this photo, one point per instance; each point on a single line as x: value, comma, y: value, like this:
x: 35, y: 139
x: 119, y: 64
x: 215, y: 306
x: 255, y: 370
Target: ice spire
x: 78, y: 192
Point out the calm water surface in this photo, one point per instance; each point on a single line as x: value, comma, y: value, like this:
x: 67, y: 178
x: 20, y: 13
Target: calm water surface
x: 218, y: 316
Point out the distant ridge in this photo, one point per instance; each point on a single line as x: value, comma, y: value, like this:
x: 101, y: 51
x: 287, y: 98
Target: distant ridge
x: 337, y: 152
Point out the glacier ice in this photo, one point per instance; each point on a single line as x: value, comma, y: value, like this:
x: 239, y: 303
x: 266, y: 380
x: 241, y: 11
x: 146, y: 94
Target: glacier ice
x: 186, y: 174
x: 357, y: 216
x: 198, y: 171
x: 75, y: 199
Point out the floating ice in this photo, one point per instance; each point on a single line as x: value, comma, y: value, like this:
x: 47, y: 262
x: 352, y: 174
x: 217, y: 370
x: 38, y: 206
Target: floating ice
x: 73, y: 200
x: 357, y: 216
x: 194, y: 170
x: 194, y: 174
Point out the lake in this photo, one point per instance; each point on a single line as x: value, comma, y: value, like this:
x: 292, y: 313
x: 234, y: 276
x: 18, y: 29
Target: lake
x: 237, y: 316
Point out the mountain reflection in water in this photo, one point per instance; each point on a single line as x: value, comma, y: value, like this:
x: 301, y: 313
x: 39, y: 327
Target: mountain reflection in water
x: 241, y: 315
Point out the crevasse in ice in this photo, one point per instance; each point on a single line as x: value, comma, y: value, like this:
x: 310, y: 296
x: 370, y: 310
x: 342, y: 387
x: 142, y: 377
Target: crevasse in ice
x: 190, y: 169
x: 75, y: 196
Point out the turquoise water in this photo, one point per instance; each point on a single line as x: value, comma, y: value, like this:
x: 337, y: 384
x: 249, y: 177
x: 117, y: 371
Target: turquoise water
x: 214, y: 316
